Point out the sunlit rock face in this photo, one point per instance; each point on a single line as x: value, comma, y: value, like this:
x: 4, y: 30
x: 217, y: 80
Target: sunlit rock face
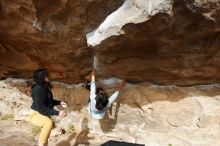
x: 177, y: 44
x: 148, y: 114
x: 41, y: 33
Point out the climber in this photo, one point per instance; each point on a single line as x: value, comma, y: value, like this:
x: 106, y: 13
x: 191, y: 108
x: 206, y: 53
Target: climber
x: 42, y: 106
x: 99, y: 102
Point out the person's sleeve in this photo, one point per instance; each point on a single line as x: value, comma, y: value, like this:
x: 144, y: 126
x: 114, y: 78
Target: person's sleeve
x: 56, y: 102
x: 113, y: 97
x: 92, y: 91
x: 39, y: 98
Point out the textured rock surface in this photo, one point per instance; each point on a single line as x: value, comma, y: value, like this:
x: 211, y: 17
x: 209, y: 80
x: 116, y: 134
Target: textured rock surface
x: 39, y: 33
x: 132, y: 11
x: 162, y: 41
x: 177, y: 45
x: 148, y: 114
x: 11, y: 135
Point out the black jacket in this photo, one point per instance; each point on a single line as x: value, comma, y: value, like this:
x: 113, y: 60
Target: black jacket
x: 43, y: 101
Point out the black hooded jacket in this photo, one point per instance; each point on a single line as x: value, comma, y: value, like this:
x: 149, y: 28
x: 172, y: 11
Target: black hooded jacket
x: 42, y: 96
x: 43, y: 101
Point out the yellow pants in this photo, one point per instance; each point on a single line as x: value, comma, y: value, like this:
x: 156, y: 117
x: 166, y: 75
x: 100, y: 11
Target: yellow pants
x: 42, y: 121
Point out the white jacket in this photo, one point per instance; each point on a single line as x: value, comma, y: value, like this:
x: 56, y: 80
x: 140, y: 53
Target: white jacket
x: 95, y: 113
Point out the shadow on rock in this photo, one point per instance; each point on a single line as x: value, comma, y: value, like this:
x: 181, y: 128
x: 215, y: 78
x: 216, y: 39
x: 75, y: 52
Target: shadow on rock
x: 107, y: 124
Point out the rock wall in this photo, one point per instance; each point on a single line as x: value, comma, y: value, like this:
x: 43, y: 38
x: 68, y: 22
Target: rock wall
x: 178, y: 44
x: 153, y: 115
x: 163, y: 41
x: 39, y: 33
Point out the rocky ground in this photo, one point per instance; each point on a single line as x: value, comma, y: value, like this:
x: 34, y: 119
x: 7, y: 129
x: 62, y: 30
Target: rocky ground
x: 144, y: 113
